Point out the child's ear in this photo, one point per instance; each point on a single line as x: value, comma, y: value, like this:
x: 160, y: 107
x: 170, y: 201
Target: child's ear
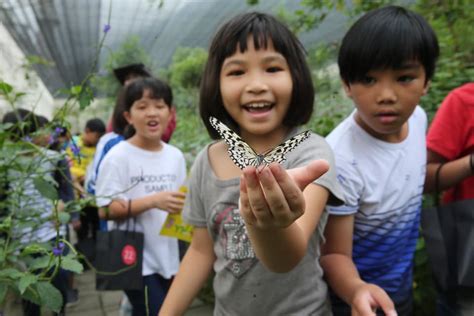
x: 128, y: 117
x: 427, y: 87
x: 347, y: 88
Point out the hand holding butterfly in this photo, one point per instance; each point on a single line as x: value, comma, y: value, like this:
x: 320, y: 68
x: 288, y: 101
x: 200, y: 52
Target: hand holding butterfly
x: 281, y: 210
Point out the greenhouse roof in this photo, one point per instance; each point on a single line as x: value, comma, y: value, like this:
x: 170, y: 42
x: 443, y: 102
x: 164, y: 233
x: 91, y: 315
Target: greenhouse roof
x: 68, y: 32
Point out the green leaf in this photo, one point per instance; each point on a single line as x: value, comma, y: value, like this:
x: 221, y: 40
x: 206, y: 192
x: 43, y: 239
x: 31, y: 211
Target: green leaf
x: 19, y: 95
x: 34, y: 248
x: 31, y: 294
x: 71, y: 264
x: 3, y: 292
x: 64, y: 217
x: 11, y: 273
x: 39, y: 263
x: 46, y: 188
x: 6, y: 126
x: 75, y: 90
x: 5, y: 88
x: 6, y: 224
x: 26, y: 280
x: 50, y: 296
x: 85, y: 100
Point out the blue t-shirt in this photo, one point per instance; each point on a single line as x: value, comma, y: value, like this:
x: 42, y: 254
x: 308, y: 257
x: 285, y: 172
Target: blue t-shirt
x: 383, y: 186
x: 107, y: 147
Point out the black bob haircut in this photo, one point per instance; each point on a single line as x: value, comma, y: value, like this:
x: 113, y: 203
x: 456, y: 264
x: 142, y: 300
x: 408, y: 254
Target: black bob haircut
x: 386, y: 38
x: 96, y: 125
x: 158, y: 90
x: 234, y: 35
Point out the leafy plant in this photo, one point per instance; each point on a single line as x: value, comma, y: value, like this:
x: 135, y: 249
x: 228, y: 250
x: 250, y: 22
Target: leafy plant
x: 29, y: 199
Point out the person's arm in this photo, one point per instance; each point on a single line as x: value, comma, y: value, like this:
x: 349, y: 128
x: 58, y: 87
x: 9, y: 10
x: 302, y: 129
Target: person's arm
x: 280, y: 217
x: 341, y: 273
x: 452, y: 173
x: 193, y: 273
x: 170, y: 201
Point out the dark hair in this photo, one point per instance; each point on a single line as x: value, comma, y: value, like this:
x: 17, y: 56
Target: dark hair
x: 96, y: 125
x: 233, y: 35
x: 24, y: 123
x: 41, y: 121
x: 386, y: 38
x: 158, y: 90
x: 119, y: 123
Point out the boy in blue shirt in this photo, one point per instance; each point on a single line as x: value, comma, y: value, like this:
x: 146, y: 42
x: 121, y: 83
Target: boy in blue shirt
x: 386, y: 62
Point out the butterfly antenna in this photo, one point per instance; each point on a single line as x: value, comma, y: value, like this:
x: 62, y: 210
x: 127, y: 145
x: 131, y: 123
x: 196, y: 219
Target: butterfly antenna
x: 261, y: 167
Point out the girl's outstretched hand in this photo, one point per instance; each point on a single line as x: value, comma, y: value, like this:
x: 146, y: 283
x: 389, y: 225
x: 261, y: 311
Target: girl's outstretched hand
x: 272, y: 197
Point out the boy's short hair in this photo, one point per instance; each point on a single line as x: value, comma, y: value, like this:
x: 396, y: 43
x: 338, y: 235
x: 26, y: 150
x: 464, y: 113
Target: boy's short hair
x: 262, y: 28
x: 41, y: 121
x: 122, y: 73
x: 387, y: 38
x: 96, y: 125
x: 158, y: 90
x: 24, y: 123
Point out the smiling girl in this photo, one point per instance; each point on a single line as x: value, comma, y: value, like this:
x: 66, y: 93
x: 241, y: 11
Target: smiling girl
x: 256, y: 82
x: 140, y: 178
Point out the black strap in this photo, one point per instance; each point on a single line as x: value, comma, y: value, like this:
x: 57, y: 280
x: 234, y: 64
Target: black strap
x: 450, y: 241
x: 129, y: 215
x: 438, y: 170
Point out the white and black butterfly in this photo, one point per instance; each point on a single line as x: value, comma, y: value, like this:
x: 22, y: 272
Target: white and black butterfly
x: 243, y: 155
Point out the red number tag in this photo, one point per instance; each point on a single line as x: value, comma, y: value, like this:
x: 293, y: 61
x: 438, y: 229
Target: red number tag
x: 129, y: 255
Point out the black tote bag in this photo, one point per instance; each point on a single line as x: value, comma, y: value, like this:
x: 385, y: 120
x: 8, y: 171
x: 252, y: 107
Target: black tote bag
x: 119, y: 258
x: 448, y: 231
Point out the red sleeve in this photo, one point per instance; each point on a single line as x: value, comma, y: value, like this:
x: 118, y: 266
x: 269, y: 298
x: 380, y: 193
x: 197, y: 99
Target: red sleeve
x: 170, y: 128
x: 446, y: 135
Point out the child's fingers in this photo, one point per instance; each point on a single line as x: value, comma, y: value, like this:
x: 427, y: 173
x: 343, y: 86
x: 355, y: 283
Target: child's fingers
x: 367, y: 301
x: 257, y: 202
x: 291, y: 192
x: 384, y: 302
x: 244, y: 204
x: 309, y: 173
x: 173, y: 208
x: 276, y: 199
x: 178, y: 194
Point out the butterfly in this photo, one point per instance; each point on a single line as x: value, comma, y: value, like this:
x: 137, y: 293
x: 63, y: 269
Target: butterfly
x: 243, y: 155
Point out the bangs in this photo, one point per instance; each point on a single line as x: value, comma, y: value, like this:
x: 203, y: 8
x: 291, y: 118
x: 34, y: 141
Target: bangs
x: 155, y: 88
x: 389, y: 41
x: 386, y: 50
x: 262, y: 31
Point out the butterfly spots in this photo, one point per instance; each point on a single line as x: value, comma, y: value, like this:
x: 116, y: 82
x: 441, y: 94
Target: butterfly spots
x: 243, y: 155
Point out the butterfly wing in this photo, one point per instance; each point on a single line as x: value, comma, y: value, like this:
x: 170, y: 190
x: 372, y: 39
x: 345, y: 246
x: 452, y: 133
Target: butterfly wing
x: 239, y: 151
x: 278, y: 153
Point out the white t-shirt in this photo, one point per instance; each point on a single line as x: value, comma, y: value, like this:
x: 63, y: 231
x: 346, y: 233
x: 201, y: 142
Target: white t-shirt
x: 383, y: 187
x: 91, y: 176
x: 30, y: 204
x: 128, y: 172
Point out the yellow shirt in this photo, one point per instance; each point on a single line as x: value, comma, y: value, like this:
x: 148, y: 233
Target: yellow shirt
x: 80, y: 159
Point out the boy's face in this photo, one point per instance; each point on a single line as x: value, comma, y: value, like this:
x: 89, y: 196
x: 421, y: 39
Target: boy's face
x: 90, y: 138
x: 385, y: 99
